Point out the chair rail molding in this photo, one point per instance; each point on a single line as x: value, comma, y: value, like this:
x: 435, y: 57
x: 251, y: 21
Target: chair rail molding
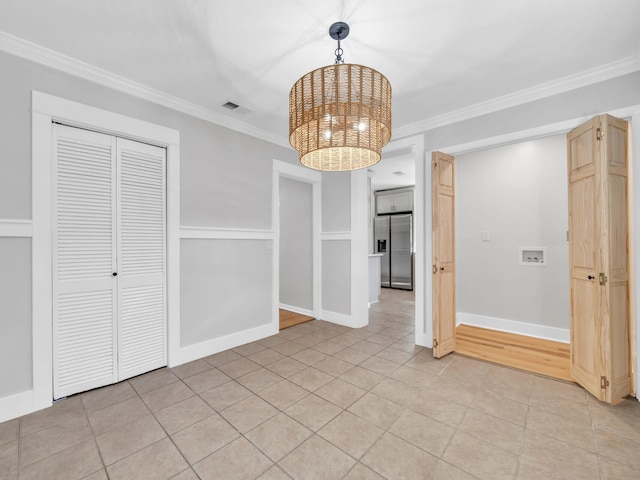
x: 16, y: 228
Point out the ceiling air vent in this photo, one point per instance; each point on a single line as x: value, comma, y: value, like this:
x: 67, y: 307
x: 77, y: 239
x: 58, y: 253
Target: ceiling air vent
x: 230, y: 105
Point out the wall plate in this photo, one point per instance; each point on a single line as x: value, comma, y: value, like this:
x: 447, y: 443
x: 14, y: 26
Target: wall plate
x: 533, y: 256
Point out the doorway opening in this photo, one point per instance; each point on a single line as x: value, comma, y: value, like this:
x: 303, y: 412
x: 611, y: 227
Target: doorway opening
x: 395, y: 218
x: 296, y: 214
x: 588, y: 250
x: 504, y: 308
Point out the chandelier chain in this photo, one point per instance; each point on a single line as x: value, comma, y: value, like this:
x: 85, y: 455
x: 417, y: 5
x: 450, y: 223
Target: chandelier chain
x: 339, y: 53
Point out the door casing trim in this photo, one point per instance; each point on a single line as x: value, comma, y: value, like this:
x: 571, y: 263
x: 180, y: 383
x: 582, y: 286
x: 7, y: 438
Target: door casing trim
x: 46, y: 109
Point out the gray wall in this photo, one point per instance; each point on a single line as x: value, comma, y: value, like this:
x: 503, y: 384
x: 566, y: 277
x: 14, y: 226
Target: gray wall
x: 223, y: 177
x: 519, y: 194
x: 15, y: 315
x: 336, y: 254
x: 296, y: 243
x: 336, y: 276
x: 336, y: 202
x: 222, y: 185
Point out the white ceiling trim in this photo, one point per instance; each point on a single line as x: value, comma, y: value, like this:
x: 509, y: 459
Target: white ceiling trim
x: 554, y: 87
x: 542, y: 131
x: 50, y: 58
x: 42, y: 55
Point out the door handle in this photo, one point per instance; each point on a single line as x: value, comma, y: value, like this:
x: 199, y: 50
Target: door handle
x: 591, y: 277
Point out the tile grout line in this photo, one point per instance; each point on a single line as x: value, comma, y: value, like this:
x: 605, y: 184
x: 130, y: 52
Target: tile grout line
x: 150, y: 412
x: 190, y: 467
x: 524, y: 431
x: 595, y: 441
x: 95, y: 437
x: 19, y: 453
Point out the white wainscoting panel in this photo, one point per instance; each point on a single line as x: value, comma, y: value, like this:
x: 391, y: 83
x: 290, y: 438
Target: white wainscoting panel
x: 226, y: 300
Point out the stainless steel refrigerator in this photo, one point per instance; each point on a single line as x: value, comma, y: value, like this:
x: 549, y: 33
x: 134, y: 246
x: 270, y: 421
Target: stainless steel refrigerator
x: 393, y: 238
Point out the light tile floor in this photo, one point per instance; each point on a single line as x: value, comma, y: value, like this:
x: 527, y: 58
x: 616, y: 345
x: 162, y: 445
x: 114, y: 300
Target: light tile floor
x: 320, y: 401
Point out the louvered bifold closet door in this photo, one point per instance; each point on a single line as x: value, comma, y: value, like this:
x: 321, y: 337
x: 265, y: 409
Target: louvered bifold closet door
x: 141, y: 254
x: 84, y: 294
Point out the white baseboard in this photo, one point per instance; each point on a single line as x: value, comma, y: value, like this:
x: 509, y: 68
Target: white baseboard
x: 335, y: 317
x: 15, y: 406
x: 301, y: 311
x: 340, y: 319
x: 511, y: 326
x: 216, y: 345
x: 424, y: 341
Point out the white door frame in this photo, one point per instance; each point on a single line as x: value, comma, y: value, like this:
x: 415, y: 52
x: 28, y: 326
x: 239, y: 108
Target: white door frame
x: 302, y: 174
x: 45, y: 110
x: 630, y: 113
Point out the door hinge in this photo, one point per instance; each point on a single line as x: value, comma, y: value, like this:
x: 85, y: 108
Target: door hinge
x: 603, y: 279
x: 435, y: 164
x: 435, y: 343
x: 604, y: 383
x: 599, y: 134
x: 435, y: 269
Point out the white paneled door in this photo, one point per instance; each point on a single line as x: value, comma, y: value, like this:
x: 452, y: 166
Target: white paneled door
x: 109, y: 313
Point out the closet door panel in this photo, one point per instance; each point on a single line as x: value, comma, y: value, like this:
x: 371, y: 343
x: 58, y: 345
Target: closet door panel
x: 83, y: 260
x: 142, y: 332
x: 84, y: 205
x: 85, y: 347
x: 141, y: 254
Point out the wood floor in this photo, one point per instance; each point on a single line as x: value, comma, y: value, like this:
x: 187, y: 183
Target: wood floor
x: 289, y: 319
x: 535, y: 355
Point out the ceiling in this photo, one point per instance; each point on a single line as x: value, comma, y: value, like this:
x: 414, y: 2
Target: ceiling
x: 396, y: 169
x: 443, y: 58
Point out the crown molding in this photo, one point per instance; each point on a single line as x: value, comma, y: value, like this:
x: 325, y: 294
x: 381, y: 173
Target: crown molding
x: 571, y: 82
x: 50, y: 58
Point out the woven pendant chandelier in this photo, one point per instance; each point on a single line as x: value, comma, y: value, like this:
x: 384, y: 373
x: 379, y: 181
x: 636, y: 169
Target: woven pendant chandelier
x: 340, y: 115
